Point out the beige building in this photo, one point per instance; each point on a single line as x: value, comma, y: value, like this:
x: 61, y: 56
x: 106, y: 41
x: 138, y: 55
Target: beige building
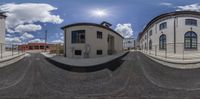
x: 90, y: 40
x: 172, y: 33
x: 2, y: 31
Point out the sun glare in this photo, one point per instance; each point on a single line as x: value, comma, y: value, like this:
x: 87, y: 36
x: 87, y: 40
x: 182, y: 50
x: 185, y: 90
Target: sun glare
x: 99, y: 13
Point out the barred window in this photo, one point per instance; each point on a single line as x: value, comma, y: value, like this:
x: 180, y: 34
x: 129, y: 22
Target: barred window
x: 162, y: 42
x: 190, y: 40
x: 150, y: 44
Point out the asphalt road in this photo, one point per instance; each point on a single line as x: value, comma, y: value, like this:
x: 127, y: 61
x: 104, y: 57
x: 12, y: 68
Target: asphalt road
x: 137, y: 77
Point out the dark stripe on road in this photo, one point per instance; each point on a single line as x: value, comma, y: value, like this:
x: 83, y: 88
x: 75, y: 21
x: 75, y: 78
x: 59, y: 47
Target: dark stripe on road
x: 112, y: 65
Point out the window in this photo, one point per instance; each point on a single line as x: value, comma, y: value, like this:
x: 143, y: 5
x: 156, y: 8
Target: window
x: 30, y: 47
x: 190, y: 40
x: 150, y: 32
x: 78, y: 52
x: 78, y: 36
x: 191, y: 22
x: 99, y: 52
x: 99, y: 35
x: 41, y: 47
x: 163, y: 25
x: 145, y: 36
x: 150, y: 45
x: 36, y: 47
x: 162, y: 42
x: 145, y: 46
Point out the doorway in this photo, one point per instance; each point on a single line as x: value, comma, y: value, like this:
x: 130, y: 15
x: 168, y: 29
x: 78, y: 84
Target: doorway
x: 111, y: 45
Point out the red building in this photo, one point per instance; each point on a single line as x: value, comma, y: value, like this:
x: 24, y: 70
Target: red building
x: 35, y: 46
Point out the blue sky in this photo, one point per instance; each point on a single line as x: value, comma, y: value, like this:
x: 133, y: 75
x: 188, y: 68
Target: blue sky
x: 136, y: 13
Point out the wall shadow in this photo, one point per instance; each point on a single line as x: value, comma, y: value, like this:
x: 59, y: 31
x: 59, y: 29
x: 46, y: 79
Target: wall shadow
x: 112, y: 65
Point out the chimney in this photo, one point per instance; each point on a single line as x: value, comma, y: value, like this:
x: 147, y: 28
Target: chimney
x: 106, y: 24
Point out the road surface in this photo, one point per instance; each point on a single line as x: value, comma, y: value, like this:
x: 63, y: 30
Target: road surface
x: 136, y: 77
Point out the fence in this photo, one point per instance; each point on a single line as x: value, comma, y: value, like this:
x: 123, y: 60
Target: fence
x: 57, y: 49
x: 7, y: 50
x: 174, y: 51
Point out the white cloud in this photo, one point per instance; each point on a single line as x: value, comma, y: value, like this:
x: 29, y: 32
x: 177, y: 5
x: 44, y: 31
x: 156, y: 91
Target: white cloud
x: 26, y: 36
x: 192, y: 7
x: 28, y: 13
x: 27, y: 28
x: 124, y: 29
x: 57, y: 41
x: 13, y: 40
x: 62, y: 37
x: 8, y: 35
x: 166, y: 4
x: 36, y: 41
x: 59, y: 35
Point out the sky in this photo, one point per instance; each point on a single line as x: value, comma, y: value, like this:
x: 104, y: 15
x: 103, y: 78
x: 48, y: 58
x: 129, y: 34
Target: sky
x: 28, y: 20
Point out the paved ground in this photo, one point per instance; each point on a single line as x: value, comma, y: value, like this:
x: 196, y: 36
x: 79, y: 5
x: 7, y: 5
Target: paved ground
x: 137, y: 77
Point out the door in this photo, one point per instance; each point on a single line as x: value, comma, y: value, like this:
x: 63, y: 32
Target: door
x: 111, y: 45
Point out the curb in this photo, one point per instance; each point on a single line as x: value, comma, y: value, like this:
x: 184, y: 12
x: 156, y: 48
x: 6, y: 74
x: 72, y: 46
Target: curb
x: 175, y: 65
x: 12, y: 60
x: 183, y: 62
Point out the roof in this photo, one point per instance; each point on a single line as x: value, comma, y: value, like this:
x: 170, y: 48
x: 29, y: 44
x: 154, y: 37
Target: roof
x: 170, y: 14
x: 91, y: 24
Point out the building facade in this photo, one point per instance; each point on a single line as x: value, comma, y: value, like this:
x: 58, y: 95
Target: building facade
x: 90, y: 40
x: 36, y: 46
x: 129, y: 43
x: 2, y: 32
x: 174, y: 32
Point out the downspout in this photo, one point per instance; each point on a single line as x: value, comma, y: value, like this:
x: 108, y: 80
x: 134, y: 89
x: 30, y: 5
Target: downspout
x: 65, y: 43
x: 174, y: 35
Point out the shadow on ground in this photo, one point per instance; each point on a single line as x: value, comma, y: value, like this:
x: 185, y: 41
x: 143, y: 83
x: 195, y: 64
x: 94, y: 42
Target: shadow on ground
x: 112, y: 65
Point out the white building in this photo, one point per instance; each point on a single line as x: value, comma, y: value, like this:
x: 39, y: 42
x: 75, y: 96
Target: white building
x: 129, y: 43
x: 90, y: 40
x: 174, y: 32
x: 2, y: 31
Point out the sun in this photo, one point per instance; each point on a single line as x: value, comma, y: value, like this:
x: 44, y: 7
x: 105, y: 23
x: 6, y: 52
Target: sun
x: 99, y: 13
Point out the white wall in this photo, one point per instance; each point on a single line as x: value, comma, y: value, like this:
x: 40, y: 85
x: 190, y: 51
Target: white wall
x: 2, y: 32
x: 181, y: 29
x: 91, y: 39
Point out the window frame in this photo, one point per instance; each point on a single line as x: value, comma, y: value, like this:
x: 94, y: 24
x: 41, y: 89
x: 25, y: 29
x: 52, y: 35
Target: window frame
x: 163, y: 25
x: 76, y: 37
x: 150, y: 44
x: 191, y: 22
x: 76, y: 53
x: 99, y: 51
x: 193, y: 45
x: 163, y: 42
x: 99, y: 35
x: 150, y: 32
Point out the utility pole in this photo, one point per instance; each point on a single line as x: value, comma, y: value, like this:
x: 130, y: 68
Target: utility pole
x: 45, y: 40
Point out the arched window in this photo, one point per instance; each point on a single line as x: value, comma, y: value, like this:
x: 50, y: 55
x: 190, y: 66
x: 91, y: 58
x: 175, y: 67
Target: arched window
x: 150, y: 45
x: 190, y: 40
x: 162, y: 42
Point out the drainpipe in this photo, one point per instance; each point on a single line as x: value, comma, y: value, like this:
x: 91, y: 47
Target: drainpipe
x: 174, y: 35
x: 65, y: 43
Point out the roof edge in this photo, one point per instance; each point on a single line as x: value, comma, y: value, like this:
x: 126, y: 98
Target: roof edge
x: 166, y: 15
x: 91, y: 24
